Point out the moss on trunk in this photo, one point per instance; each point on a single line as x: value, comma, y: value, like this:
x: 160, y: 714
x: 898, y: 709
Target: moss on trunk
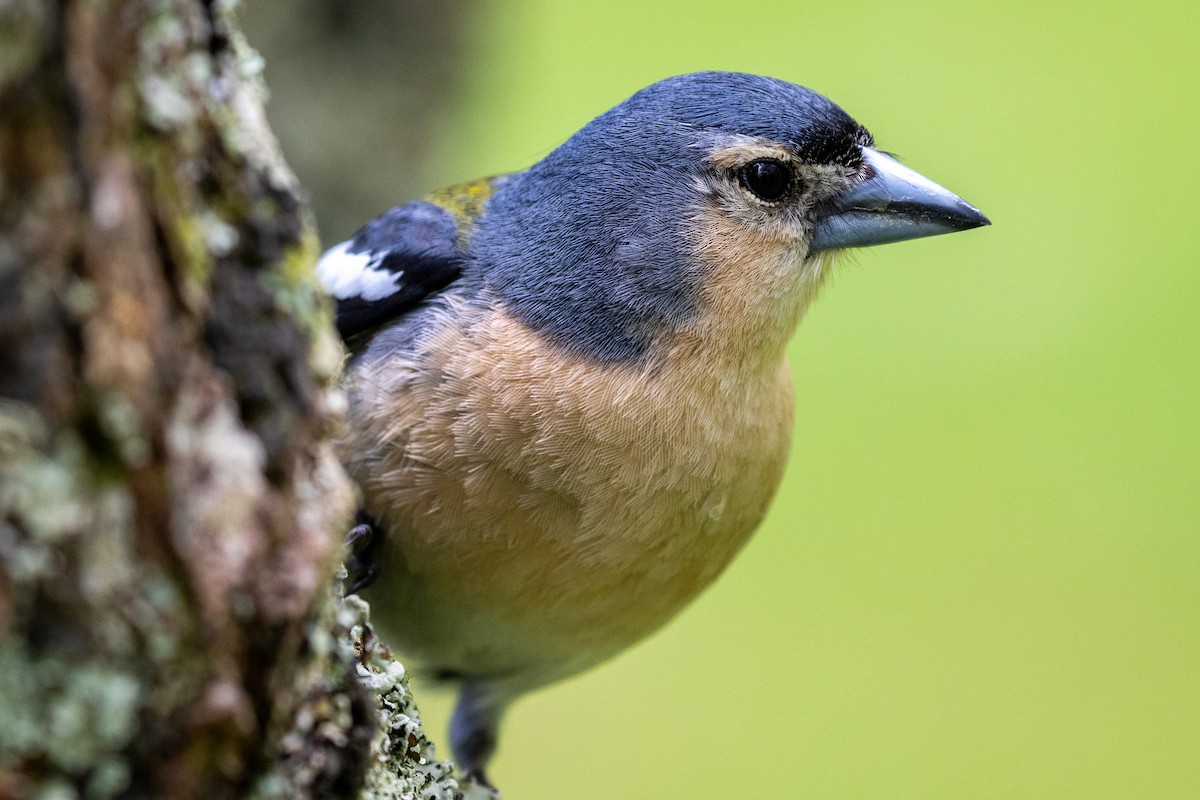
x: 169, y: 507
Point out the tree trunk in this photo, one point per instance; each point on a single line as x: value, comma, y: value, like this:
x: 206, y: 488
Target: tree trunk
x: 169, y: 507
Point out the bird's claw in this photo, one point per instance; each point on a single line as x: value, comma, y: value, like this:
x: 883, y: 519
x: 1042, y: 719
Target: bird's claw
x: 361, y: 569
x: 359, y: 537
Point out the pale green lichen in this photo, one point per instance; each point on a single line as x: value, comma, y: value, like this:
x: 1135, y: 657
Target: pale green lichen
x: 220, y: 237
x: 119, y: 420
x: 293, y: 284
x: 40, y: 482
x: 108, y: 779
x: 348, y: 662
x: 167, y: 96
x: 404, y: 763
x: 74, y: 701
x: 167, y: 107
x: 187, y: 241
x: 77, y: 718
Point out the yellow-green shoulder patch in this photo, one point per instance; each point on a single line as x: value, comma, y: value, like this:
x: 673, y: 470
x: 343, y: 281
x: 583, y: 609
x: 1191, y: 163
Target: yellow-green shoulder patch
x: 466, y: 202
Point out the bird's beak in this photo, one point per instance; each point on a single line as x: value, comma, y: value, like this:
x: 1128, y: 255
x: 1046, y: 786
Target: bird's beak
x: 895, y: 204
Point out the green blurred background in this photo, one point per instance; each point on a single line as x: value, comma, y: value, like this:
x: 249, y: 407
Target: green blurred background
x: 981, y: 578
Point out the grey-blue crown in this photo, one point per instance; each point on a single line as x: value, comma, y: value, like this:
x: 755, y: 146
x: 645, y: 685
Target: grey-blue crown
x: 742, y: 104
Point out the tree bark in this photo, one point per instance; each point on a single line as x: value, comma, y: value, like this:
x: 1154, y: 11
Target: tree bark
x: 169, y: 506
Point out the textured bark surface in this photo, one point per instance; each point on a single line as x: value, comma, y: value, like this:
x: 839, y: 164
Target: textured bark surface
x: 169, y: 509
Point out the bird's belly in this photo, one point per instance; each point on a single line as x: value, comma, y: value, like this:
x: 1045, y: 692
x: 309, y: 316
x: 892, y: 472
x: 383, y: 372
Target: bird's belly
x: 538, y: 526
x: 505, y: 592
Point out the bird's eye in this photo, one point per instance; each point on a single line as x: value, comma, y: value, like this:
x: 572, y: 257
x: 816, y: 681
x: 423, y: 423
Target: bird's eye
x: 766, y: 178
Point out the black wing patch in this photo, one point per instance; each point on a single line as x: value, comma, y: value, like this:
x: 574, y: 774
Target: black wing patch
x: 393, y: 263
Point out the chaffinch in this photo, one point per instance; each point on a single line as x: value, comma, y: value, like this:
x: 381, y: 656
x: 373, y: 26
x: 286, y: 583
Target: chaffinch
x: 569, y: 399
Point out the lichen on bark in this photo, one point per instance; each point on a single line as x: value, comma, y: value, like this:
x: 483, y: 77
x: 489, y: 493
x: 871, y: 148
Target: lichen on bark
x: 170, y: 509
x: 354, y: 689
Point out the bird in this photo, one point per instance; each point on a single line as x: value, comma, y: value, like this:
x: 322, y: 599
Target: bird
x: 569, y: 403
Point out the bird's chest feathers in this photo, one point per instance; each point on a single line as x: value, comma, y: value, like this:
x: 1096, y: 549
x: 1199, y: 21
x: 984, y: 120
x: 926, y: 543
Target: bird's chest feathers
x: 499, y: 451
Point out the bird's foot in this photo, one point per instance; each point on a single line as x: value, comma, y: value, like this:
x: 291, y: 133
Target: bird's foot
x: 473, y: 731
x: 361, y: 568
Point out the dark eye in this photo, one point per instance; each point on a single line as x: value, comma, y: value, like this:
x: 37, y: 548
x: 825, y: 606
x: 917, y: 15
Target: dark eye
x: 766, y: 178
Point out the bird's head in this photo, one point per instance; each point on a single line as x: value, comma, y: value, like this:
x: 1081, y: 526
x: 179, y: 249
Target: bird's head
x: 710, y: 196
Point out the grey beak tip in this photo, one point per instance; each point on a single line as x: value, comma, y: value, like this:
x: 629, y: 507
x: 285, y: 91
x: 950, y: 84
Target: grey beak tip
x: 971, y: 217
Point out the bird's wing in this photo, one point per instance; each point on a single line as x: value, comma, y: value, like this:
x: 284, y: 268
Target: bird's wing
x: 393, y: 263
